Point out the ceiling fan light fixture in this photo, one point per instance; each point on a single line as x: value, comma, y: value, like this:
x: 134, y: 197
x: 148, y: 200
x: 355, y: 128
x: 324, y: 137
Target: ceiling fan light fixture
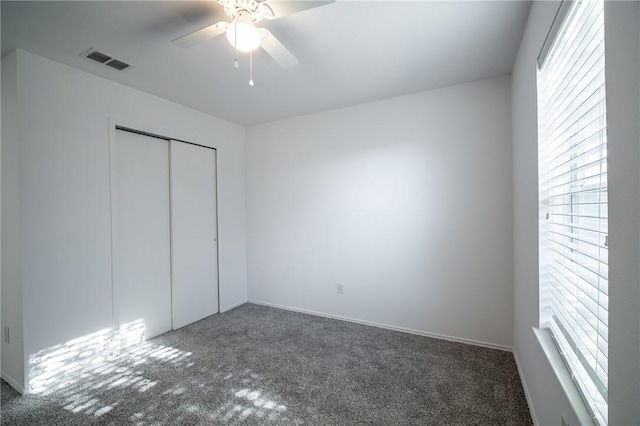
x: 242, y: 33
x: 248, y: 36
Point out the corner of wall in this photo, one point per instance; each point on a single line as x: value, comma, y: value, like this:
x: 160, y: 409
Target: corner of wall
x: 12, y: 351
x: 527, y: 393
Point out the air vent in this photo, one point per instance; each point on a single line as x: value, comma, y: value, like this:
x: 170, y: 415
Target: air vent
x: 117, y: 65
x: 105, y: 59
x: 99, y: 57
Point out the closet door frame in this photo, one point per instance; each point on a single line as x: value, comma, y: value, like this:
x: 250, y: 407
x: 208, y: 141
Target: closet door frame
x: 120, y: 124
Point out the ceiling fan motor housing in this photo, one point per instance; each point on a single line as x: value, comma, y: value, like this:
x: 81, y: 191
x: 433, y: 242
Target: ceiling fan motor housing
x: 256, y: 10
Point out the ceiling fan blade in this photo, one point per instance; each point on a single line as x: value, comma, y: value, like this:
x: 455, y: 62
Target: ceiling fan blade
x: 277, y: 51
x: 203, y: 34
x: 287, y: 7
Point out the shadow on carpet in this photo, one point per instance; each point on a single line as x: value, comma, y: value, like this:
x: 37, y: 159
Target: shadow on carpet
x: 260, y: 365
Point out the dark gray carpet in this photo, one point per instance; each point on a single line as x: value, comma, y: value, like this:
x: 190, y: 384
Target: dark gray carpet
x: 259, y: 365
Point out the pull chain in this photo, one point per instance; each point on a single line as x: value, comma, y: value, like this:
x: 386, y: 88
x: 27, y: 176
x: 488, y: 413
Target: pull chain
x: 235, y: 44
x: 250, y: 68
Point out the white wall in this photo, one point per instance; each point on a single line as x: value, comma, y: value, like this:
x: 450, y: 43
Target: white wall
x: 407, y: 201
x: 12, y: 353
x: 63, y: 160
x: 549, y: 401
x: 622, y: 67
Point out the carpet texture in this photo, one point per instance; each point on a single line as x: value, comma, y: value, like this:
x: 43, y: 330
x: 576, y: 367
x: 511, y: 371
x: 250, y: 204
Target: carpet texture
x: 259, y: 365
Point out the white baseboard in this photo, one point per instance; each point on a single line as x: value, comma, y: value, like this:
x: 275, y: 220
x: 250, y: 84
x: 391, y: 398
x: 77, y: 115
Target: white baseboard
x: 527, y: 395
x: 12, y: 382
x: 386, y: 326
x: 235, y: 305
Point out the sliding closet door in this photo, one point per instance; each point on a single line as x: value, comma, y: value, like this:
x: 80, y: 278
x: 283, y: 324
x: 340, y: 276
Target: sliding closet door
x: 193, y: 233
x: 141, y: 227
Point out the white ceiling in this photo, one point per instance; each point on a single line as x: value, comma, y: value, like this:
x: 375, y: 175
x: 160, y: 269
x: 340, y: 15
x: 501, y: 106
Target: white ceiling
x: 350, y: 52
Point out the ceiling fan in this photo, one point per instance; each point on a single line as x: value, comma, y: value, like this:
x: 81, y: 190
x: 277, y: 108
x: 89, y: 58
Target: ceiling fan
x: 242, y: 33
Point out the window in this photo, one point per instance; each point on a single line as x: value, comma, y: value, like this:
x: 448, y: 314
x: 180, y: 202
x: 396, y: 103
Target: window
x: 573, y: 196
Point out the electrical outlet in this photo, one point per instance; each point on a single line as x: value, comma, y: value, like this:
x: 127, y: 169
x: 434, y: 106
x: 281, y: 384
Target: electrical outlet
x: 340, y: 288
x: 6, y: 335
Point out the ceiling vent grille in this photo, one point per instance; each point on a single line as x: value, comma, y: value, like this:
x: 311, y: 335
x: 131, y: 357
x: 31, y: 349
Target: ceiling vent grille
x: 105, y: 59
x: 120, y: 66
x: 99, y: 57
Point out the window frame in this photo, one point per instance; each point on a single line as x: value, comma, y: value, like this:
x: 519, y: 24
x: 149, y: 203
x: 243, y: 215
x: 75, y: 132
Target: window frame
x: 566, y: 11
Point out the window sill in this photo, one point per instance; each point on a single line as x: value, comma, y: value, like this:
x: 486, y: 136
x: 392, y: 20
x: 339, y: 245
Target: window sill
x: 564, y: 376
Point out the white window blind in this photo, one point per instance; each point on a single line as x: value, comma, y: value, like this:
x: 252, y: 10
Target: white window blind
x: 573, y: 199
